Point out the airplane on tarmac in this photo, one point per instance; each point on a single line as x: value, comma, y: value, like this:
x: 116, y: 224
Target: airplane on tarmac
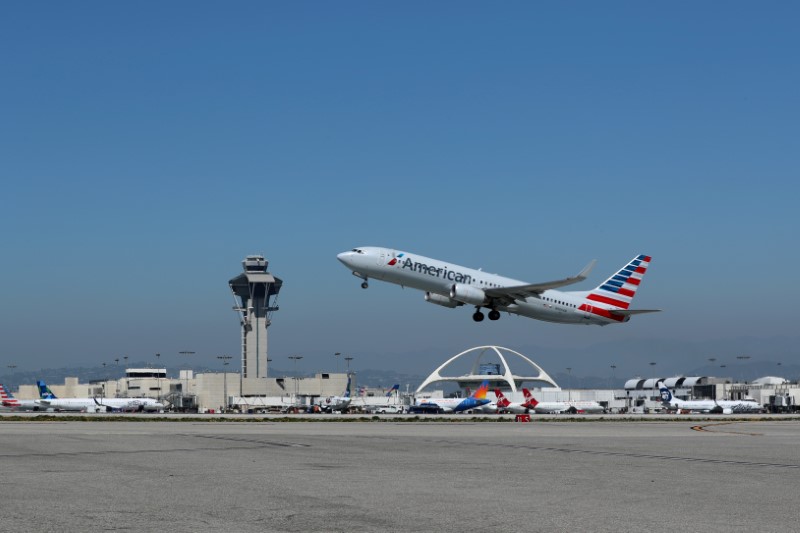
x: 10, y: 402
x: 570, y: 406
x: 507, y: 406
x: 338, y: 403
x: 708, y: 406
x: 451, y: 285
x: 456, y: 405
x: 48, y: 400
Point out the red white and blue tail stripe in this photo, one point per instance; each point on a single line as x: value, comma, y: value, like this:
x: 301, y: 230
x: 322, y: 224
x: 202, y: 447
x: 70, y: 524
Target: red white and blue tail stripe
x: 617, y: 292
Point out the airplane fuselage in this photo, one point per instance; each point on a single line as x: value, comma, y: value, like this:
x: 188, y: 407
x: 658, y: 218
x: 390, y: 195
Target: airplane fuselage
x: 442, y: 280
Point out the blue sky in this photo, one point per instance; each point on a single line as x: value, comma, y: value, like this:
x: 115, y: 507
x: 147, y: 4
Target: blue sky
x: 147, y: 148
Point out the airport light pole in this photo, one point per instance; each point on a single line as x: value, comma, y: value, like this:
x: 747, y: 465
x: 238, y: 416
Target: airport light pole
x: 336, y: 355
x: 295, y: 358
x: 613, y: 376
x: 225, y: 362
x: 742, y: 358
x: 652, y: 370
x: 569, y: 382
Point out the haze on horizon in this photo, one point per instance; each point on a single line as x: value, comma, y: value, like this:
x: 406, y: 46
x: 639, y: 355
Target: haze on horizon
x: 149, y: 147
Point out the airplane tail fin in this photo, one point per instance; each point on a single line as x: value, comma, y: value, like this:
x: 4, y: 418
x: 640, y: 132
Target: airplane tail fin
x: 530, y: 401
x: 4, y: 394
x: 347, y: 389
x: 480, y: 393
x: 44, y: 391
x: 502, y: 401
x: 395, y: 387
x: 613, y: 297
x: 666, y: 394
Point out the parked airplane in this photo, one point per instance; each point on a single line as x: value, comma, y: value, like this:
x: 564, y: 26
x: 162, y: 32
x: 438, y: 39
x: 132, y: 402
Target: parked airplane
x: 708, y: 406
x: 338, y: 403
x: 452, y: 286
x: 570, y: 406
x: 10, y: 402
x: 504, y: 405
x: 456, y: 405
x: 48, y: 400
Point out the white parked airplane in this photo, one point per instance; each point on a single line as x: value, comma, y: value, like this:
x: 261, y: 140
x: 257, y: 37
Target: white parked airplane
x: 708, y: 406
x: 338, y: 403
x: 48, y: 400
x: 7, y: 399
x: 452, y: 285
x: 507, y: 406
x: 570, y: 406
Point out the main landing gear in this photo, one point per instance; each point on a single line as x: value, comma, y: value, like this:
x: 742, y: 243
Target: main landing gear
x: 477, y: 316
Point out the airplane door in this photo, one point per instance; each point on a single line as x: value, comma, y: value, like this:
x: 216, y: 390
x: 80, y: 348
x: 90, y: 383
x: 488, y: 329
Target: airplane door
x: 382, y: 257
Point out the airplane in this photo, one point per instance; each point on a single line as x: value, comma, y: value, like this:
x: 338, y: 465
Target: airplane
x: 48, y: 400
x: 570, y: 406
x: 507, y: 406
x: 456, y: 405
x: 395, y: 387
x: 338, y: 403
x: 708, y: 406
x: 450, y: 285
x: 10, y: 402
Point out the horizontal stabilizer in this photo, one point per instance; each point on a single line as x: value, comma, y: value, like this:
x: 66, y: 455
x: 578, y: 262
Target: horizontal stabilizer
x: 629, y: 312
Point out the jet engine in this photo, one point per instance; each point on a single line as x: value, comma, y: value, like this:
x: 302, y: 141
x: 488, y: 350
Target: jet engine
x: 467, y: 294
x: 438, y: 299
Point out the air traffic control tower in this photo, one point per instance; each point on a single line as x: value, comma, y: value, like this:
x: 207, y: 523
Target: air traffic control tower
x: 255, y: 294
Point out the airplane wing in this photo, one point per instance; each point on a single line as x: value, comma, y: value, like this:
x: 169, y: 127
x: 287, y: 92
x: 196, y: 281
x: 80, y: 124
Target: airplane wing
x: 521, y: 292
x: 628, y: 312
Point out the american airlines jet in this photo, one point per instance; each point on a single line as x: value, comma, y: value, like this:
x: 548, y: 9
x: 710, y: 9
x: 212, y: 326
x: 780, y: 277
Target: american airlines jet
x: 451, y: 285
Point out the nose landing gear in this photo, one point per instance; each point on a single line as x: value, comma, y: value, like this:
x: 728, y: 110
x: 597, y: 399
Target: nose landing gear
x: 365, y: 285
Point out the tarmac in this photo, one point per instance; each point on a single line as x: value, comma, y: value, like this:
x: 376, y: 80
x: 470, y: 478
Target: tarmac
x: 585, y: 474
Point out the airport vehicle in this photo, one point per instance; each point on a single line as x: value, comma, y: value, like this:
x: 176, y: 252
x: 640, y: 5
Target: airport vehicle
x: 10, y: 402
x: 708, y: 406
x: 384, y: 409
x: 338, y: 403
x: 456, y: 405
x: 48, y: 400
x: 504, y: 405
x: 570, y: 406
x: 450, y: 285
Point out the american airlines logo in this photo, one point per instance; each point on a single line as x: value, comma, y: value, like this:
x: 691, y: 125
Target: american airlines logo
x: 437, y: 272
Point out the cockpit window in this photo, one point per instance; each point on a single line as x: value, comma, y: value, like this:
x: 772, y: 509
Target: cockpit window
x: 358, y: 251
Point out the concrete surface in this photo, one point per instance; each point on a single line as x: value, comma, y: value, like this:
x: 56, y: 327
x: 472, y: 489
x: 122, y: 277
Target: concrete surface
x: 427, y: 476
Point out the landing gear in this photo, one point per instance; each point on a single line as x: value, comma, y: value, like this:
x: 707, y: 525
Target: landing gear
x: 494, y: 314
x: 477, y: 316
x: 364, y: 285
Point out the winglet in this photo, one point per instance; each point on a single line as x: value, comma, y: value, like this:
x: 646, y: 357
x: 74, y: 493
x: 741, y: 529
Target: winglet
x: 585, y: 272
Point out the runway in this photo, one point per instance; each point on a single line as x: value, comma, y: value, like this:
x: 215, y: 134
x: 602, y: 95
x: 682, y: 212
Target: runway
x: 412, y: 476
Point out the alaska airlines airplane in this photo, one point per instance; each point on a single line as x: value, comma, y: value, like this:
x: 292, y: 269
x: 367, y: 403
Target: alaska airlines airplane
x: 457, y: 405
x: 708, y: 406
x: 570, y: 406
x: 451, y: 285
